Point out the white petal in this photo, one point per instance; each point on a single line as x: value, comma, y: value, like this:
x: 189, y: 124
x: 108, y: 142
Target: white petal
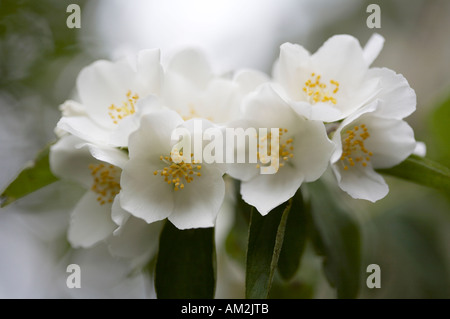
x: 192, y: 65
x: 249, y: 80
x: 144, y: 194
x: 149, y: 71
x: 239, y: 165
x: 265, y: 192
x: 361, y: 182
x: 181, y: 94
x: 197, y: 205
x: 350, y: 121
x: 373, y: 48
x: 420, y: 149
x: 399, y: 99
x: 119, y: 137
x: 85, y: 128
x: 391, y: 141
x: 72, y: 108
x: 312, y: 150
x: 317, y: 112
x: 119, y: 215
x: 104, y: 83
x: 69, y: 161
x: 340, y: 58
x: 219, y: 103
x: 197, y: 129
x: 136, y: 239
x: 292, y: 68
x: 242, y: 171
x: 109, y: 155
x: 154, y: 135
x: 269, y: 110
x: 359, y: 96
x: 90, y: 222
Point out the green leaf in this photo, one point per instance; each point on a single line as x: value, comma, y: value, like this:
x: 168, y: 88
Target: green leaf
x: 339, y: 240
x: 34, y: 176
x: 295, y: 237
x: 236, y: 241
x: 422, y: 171
x: 185, y: 266
x: 265, y: 240
x: 439, y: 146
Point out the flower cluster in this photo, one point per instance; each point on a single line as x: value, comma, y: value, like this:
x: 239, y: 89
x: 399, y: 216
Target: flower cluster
x: 321, y: 110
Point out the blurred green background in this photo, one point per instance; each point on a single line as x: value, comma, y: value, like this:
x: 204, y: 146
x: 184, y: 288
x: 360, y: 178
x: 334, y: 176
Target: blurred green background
x: 407, y: 233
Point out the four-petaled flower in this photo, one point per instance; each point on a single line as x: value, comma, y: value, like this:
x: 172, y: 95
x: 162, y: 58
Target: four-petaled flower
x: 98, y: 170
x: 303, y: 151
x: 109, y: 94
x: 367, y: 140
x: 332, y: 83
x: 158, y: 183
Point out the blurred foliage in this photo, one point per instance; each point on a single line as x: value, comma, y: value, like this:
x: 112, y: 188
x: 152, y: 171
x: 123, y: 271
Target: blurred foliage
x: 440, y: 128
x: 337, y: 237
x: 32, y: 35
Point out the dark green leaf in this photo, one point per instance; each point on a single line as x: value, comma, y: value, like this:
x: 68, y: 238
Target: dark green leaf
x: 422, y: 171
x: 34, y: 176
x: 294, y: 238
x: 265, y: 239
x: 339, y: 238
x: 185, y: 267
x: 236, y: 241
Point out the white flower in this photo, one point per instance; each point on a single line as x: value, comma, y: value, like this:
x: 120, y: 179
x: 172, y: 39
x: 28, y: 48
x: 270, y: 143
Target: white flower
x: 109, y: 93
x: 375, y: 137
x: 155, y: 186
x: 135, y: 239
x: 194, y: 91
x: 304, y: 151
x: 336, y: 81
x: 73, y: 159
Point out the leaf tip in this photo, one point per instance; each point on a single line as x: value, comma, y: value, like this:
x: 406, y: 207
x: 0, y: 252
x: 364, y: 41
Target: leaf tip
x: 5, y: 201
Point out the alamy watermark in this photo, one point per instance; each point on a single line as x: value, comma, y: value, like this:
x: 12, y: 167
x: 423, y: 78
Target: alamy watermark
x: 74, y: 19
x: 374, y: 279
x: 74, y: 279
x: 230, y: 145
x: 374, y: 19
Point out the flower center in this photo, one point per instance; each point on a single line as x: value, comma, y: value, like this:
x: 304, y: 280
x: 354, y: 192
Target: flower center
x: 117, y: 113
x: 194, y: 114
x: 317, y: 91
x: 178, y: 169
x: 353, y: 149
x: 106, y: 182
x: 285, y: 149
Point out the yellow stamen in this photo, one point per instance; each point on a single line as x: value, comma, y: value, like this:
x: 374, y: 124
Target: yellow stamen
x: 316, y: 90
x: 128, y: 107
x: 106, y: 182
x: 178, y: 172
x: 285, y: 150
x: 353, y: 148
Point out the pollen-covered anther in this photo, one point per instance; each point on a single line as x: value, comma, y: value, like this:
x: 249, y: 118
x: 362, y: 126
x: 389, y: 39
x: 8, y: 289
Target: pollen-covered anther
x: 353, y: 149
x: 285, y: 149
x: 179, y: 169
x: 106, y: 182
x: 117, y: 113
x: 317, y: 91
